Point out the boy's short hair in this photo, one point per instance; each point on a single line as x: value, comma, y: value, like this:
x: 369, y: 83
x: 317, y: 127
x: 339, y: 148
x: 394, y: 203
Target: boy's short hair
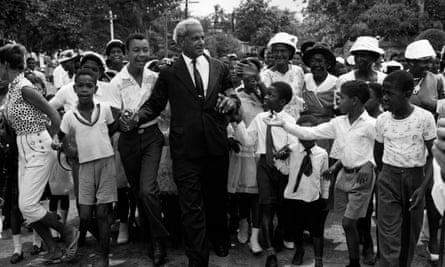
x: 134, y: 36
x: 311, y: 120
x: 357, y: 89
x: 88, y: 72
x: 401, y: 79
x: 377, y: 89
x: 284, y: 90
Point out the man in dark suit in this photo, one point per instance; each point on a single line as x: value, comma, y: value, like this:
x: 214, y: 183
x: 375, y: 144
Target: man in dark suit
x: 195, y: 86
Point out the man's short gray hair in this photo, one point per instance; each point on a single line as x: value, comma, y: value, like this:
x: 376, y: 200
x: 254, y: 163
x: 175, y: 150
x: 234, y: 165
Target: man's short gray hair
x: 181, y: 28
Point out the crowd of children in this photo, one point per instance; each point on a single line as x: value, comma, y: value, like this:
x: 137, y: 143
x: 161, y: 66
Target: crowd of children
x: 300, y: 143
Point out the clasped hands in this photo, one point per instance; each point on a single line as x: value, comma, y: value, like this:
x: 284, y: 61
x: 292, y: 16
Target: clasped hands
x: 128, y: 120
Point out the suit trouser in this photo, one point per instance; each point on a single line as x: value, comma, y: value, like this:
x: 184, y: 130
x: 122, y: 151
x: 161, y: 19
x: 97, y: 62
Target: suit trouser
x: 202, y: 188
x: 141, y: 153
x: 399, y: 228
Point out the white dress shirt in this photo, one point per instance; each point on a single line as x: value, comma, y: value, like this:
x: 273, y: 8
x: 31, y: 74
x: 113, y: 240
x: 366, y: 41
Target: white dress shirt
x: 256, y: 133
x: 67, y: 98
x: 126, y: 94
x: 355, y: 142
x: 203, y: 66
x: 313, y: 187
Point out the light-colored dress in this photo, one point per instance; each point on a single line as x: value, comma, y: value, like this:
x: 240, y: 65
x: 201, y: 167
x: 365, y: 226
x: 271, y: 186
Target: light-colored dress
x: 295, y: 78
x: 242, y: 166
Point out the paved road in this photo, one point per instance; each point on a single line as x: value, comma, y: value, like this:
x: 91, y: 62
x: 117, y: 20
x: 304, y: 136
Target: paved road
x: 134, y: 254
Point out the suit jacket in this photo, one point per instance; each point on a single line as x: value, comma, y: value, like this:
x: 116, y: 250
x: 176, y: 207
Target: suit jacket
x: 196, y: 129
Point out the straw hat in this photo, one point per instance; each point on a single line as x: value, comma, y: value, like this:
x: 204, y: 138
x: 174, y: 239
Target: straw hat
x: 93, y: 55
x: 286, y: 39
x: 366, y: 43
x: 114, y: 43
x: 420, y: 49
x: 67, y: 55
x: 319, y: 48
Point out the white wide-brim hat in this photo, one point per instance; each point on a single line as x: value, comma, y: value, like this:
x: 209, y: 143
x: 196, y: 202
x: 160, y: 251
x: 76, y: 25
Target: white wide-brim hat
x: 67, y: 55
x: 286, y: 39
x: 420, y: 49
x: 89, y: 54
x: 366, y: 43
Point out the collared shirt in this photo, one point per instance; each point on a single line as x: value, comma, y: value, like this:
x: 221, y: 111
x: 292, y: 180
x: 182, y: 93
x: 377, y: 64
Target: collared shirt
x: 61, y: 77
x: 350, y: 76
x: 327, y: 85
x: 67, y: 98
x: 256, y: 132
x: 355, y: 142
x: 404, y: 140
x: 126, y: 94
x: 92, y: 139
x: 314, y: 186
x: 203, y: 66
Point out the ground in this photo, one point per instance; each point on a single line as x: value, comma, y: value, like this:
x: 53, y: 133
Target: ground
x: 134, y: 254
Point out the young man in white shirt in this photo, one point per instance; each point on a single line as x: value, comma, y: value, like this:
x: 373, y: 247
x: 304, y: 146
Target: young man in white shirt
x: 405, y: 135
x: 354, y: 134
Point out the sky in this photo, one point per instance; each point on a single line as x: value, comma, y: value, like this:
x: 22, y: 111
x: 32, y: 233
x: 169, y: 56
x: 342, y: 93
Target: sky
x: 206, y: 7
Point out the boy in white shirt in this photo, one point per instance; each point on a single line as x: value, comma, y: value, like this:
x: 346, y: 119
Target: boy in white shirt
x: 354, y: 134
x: 405, y: 135
x: 269, y: 140
x: 308, y: 192
x: 97, y: 183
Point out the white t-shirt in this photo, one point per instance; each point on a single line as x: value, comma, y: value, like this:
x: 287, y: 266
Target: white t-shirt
x: 92, y: 139
x: 404, y: 140
x: 61, y: 77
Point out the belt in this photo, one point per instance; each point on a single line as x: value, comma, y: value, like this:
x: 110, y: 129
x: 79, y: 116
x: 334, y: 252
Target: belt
x: 352, y: 170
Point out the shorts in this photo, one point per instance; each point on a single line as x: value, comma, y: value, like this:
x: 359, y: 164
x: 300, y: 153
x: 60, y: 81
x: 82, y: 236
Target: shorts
x: 271, y: 183
x: 350, y: 197
x: 97, y: 182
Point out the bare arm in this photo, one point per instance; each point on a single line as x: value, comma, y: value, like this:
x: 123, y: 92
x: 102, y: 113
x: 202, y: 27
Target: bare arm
x: 37, y: 100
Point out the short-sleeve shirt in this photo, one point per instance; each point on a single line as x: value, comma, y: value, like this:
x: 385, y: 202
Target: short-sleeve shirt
x: 24, y: 117
x: 92, y: 139
x: 404, y: 140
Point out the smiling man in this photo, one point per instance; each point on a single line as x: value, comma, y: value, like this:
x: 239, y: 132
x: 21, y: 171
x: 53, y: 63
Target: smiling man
x: 195, y: 86
x: 140, y: 147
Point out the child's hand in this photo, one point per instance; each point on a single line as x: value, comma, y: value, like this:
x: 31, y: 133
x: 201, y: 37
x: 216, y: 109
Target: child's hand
x: 416, y: 198
x: 246, y: 70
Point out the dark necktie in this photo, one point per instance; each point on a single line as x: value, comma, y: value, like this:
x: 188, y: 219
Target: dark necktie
x: 269, y: 146
x: 198, y: 80
x: 305, y: 168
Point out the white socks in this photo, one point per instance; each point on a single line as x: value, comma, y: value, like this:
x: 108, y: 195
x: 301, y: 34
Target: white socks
x: 122, y: 238
x: 36, y: 239
x: 63, y: 215
x: 17, y: 240
x: 243, y: 234
x: 254, y: 244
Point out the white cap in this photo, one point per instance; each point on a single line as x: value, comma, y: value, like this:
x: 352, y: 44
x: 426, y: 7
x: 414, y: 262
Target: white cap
x: 420, y: 49
x: 284, y: 38
x: 366, y: 43
x: 94, y: 54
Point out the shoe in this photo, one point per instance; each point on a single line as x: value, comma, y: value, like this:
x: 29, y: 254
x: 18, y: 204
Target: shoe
x: 16, y: 258
x: 221, y: 250
x: 54, y: 257
x: 35, y: 250
x: 159, y: 253
x: 255, y: 248
x: 272, y: 261
x: 369, y: 256
x: 101, y: 262
x: 71, y: 247
x: 122, y: 238
x: 298, y: 257
x: 289, y: 245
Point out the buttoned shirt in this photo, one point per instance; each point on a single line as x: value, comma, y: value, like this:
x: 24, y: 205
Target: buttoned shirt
x: 67, y: 98
x: 203, y: 66
x: 311, y: 187
x: 256, y: 132
x: 355, y: 142
x: 126, y: 94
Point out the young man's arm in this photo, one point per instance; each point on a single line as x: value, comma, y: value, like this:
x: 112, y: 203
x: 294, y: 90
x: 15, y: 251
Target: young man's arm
x: 378, y: 154
x: 323, y: 131
x: 114, y: 126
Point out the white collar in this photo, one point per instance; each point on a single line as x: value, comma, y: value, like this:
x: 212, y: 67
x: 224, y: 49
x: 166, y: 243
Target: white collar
x: 189, y: 60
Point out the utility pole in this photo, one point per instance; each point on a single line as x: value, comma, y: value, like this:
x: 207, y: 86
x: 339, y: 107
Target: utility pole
x: 111, y: 19
x: 186, y: 9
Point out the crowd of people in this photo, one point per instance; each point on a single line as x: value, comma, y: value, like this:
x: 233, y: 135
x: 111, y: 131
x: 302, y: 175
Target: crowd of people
x: 193, y: 148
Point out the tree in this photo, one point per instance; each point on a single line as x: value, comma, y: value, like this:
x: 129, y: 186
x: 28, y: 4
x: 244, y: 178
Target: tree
x: 220, y: 44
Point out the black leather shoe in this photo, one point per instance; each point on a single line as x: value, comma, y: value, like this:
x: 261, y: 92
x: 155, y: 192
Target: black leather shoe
x: 16, y: 258
x: 272, y: 261
x: 298, y: 257
x: 159, y: 253
x: 35, y: 250
x: 221, y: 250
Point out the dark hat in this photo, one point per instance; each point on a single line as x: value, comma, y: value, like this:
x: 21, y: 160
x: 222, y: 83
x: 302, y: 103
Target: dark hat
x: 320, y: 48
x: 306, y: 45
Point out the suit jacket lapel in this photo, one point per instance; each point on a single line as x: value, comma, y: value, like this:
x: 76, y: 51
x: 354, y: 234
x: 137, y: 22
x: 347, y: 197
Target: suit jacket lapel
x: 183, y: 74
x: 213, y: 76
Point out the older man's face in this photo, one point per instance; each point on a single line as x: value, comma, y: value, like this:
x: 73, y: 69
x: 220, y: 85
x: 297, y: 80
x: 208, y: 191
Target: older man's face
x: 193, y: 41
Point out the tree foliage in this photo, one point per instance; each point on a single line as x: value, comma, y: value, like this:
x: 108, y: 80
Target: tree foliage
x: 220, y: 44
